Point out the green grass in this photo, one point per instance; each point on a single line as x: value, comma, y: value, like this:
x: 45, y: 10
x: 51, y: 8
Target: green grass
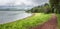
x: 58, y: 17
x: 26, y: 23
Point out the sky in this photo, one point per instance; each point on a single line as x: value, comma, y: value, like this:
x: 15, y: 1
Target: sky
x: 23, y: 3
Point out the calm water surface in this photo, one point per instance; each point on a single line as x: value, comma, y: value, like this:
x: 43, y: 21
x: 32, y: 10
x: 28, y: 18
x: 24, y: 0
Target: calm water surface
x: 10, y: 16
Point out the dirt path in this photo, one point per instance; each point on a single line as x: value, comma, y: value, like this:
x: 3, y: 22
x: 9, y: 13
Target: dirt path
x: 51, y: 24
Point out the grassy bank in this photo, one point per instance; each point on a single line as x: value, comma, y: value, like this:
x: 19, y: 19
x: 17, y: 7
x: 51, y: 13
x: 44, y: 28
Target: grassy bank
x: 58, y: 17
x: 26, y: 23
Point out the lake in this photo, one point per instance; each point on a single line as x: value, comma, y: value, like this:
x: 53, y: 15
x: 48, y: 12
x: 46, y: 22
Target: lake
x: 10, y: 16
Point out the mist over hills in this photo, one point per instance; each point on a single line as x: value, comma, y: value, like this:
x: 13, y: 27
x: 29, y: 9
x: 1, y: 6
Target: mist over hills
x: 14, y: 8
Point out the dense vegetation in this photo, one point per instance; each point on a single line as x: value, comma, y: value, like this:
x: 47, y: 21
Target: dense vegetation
x: 55, y: 5
x: 41, y: 9
x: 52, y: 7
x: 58, y: 17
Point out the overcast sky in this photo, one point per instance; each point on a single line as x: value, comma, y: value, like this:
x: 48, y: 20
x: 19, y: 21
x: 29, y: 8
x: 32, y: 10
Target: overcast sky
x: 23, y: 3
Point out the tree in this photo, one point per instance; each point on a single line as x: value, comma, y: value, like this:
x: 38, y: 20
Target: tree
x: 54, y: 4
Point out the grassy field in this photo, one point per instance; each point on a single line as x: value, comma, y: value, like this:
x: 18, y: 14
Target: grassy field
x: 58, y: 17
x: 27, y: 23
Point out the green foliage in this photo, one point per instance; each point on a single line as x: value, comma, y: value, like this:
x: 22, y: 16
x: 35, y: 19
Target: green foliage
x: 27, y: 23
x: 52, y: 7
x: 47, y: 8
x: 55, y: 4
x: 58, y: 17
x: 41, y: 9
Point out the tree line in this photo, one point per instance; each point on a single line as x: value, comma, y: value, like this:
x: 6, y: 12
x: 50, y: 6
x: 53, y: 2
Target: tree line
x: 52, y: 7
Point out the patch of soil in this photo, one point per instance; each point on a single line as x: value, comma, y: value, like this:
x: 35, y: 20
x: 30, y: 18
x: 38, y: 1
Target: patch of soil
x: 50, y: 24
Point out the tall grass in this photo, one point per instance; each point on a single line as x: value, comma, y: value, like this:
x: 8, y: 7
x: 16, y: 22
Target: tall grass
x: 58, y: 18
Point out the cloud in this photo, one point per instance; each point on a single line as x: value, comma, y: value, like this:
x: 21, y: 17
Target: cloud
x: 3, y: 2
x: 23, y: 3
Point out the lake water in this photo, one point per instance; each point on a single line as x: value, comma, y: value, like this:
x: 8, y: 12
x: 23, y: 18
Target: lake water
x: 10, y: 16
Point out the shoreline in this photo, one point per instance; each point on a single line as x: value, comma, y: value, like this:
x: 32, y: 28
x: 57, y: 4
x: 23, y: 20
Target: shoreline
x: 32, y: 14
